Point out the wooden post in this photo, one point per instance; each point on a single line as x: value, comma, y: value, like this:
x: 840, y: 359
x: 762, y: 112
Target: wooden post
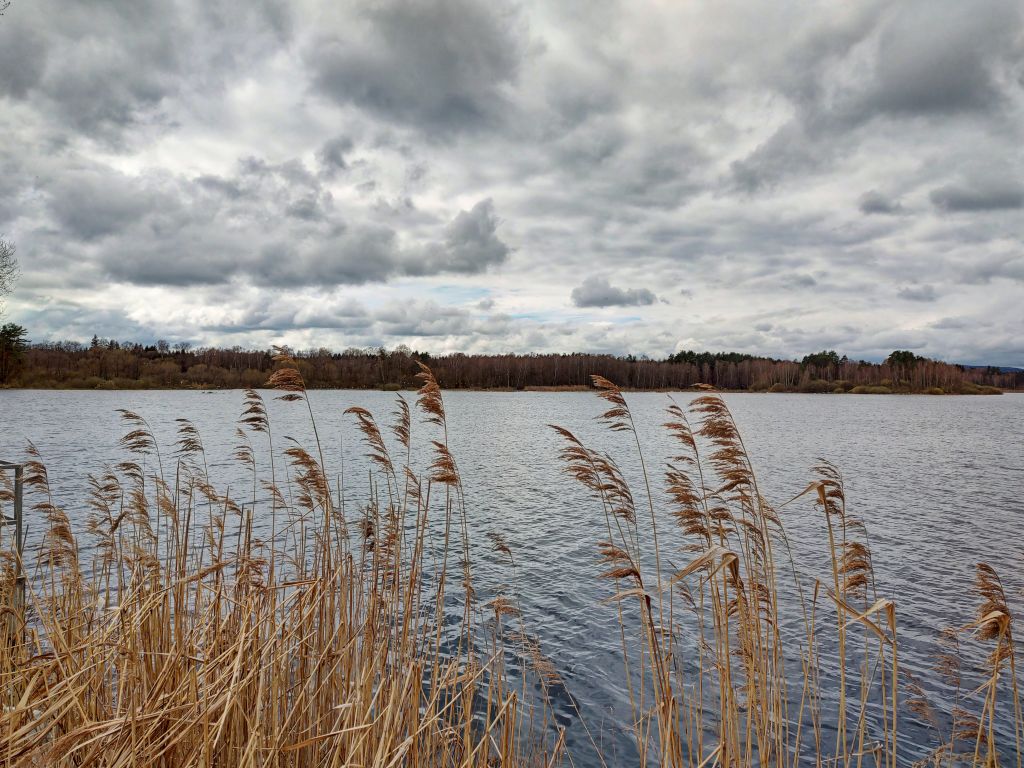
x: 19, y: 517
x: 18, y: 614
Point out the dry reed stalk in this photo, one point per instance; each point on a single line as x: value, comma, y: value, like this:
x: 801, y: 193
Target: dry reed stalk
x: 189, y: 641
x: 752, y: 692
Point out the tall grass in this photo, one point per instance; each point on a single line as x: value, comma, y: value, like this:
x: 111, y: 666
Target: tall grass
x: 357, y: 637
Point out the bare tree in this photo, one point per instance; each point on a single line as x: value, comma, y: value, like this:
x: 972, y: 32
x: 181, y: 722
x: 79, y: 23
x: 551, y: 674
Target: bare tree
x: 8, y: 265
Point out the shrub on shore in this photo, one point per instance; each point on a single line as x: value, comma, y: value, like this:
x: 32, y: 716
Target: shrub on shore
x: 816, y: 386
x: 967, y: 388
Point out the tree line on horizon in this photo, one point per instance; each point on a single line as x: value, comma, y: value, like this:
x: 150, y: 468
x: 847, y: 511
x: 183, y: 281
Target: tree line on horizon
x: 109, y: 364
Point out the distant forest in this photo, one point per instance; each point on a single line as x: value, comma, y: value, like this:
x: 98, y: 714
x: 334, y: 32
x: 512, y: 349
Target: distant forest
x: 108, y: 364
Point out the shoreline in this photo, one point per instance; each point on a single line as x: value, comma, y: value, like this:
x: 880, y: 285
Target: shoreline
x: 868, y: 389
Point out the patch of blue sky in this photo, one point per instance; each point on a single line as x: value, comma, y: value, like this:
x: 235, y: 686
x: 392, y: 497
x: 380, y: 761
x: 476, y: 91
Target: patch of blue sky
x: 582, y: 317
x: 456, y: 294
x: 540, y: 317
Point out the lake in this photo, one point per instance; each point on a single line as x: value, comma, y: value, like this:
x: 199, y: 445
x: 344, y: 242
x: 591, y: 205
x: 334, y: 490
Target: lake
x: 938, y: 481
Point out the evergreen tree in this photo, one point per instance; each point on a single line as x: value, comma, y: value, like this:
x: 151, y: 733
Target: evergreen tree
x: 13, y: 343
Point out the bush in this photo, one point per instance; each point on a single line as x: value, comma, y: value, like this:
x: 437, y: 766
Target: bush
x: 815, y: 386
x: 969, y: 388
x: 778, y: 388
x: 873, y: 389
x: 934, y: 391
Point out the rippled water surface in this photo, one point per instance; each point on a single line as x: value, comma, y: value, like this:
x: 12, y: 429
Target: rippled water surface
x: 939, y: 481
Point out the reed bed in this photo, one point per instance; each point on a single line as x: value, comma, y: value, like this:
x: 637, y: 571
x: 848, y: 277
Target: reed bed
x: 357, y: 638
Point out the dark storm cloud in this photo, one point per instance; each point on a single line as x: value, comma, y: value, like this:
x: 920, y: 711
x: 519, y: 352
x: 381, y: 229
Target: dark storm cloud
x: 986, y: 268
x: 918, y: 293
x: 271, y: 225
x: 790, y: 151
x: 226, y: 187
x: 102, y: 68
x: 876, y: 202
x: 22, y: 58
x: 470, y: 246
x: 331, y: 154
x: 598, y: 292
x: 940, y: 57
x: 439, y: 66
x: 353, y: 256
x: 803, y: 281
x: 89, y: 205
x: 923, y: 59
x: 953, y: 323
x: 986, y: 195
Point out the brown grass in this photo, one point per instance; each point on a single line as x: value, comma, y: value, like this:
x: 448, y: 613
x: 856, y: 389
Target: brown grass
x: 187, y: 640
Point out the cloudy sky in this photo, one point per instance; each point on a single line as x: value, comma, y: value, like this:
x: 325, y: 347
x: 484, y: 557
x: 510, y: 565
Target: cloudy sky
x: 556, y: 175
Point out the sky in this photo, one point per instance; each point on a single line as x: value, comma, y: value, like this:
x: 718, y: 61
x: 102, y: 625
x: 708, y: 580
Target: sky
x: 498, y: 176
